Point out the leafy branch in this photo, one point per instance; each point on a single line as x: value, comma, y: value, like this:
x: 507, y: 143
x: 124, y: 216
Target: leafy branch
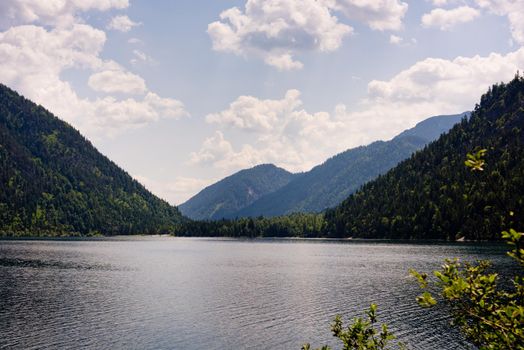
x: 362, y: 334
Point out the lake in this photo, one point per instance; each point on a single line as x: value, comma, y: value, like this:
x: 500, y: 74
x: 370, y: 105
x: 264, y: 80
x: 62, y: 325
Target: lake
x: 181, y: 293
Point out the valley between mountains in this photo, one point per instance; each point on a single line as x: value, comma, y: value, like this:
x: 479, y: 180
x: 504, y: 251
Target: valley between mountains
x: 54, y: 182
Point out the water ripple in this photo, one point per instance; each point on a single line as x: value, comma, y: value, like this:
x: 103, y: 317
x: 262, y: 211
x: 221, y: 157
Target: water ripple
x: 215, y: 294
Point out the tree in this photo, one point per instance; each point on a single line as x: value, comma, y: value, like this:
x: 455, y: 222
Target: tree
x: 361, y: 334
x: 490, y: 316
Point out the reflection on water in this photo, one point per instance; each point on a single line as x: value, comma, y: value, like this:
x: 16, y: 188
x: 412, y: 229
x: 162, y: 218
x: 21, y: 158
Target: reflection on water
x: 168, y: 293
x: 18, y: 262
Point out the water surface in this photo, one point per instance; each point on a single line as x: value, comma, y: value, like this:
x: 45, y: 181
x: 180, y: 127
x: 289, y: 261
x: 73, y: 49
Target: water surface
x: 177, y: 293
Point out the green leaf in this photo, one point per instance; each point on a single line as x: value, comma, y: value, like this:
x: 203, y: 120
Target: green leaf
x: 426, y: 300
x: 421, y: 278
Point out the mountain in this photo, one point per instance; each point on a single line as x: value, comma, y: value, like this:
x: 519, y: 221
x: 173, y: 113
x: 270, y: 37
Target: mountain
x: 227, y: 196
x: 328, y: 184
x: 53, y: 181
x: 433, y: 195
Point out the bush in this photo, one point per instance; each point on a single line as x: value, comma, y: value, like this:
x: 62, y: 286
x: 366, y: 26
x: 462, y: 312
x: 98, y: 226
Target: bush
x: 361, y: 334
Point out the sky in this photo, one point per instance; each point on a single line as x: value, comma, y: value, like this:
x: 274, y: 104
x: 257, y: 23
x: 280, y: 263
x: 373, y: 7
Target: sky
x: 181, y: 93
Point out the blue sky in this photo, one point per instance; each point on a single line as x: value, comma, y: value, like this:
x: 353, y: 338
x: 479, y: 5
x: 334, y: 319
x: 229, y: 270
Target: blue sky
x: 182, y: 93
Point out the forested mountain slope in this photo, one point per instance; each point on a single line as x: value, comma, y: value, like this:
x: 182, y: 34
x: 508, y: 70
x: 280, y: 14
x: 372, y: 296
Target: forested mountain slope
x: 328, y: 184
x: 224, y: 198
x: 433, y: 195
x: 53, y: 181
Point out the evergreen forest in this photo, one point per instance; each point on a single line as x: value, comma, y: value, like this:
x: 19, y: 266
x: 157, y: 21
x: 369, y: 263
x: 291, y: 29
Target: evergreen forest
x: 432, y: 195
x: 54, y: 182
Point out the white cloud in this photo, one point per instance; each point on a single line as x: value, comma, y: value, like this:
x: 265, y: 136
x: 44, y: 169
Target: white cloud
x: 395, y: 40
x: 276, y: 30
x: 513, y: 9
x: 284, y: 133
x: 447, y: 19
x: 165, y: 107
x: 283, y: 62
x: 214, y: 148
x: 250, y: 113
x: 32, y: 60
x: 110, y: 81
x: 437, y: 86
x: 378, y: 14
x: 112, y: 116
x: 176, y: 191
x: 134, y: 41
x: 218, y: 152
x: 33, y: 50
x: 51, y: 12
x: 122, y: 24
x: 141, y: 57
x: 457, y: 81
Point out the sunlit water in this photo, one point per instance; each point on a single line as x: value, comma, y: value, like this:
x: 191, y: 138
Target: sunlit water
x: 173, y: 293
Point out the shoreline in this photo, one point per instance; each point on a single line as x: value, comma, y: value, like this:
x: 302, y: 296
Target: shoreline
x: 246, y: 238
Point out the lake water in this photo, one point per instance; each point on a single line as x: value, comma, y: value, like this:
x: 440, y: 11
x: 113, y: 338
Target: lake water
x: 176, y: 293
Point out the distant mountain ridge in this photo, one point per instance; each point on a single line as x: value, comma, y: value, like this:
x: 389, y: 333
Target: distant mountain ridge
x: 328, y: 184
x: 322, y: 187
x: 226, y: 197
x: 54, y: 182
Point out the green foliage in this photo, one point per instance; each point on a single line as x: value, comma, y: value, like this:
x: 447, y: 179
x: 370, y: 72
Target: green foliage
x: 514, y: 238
x: 433, y: 196
x: 362, y: 334
x: 490, y: 316
x: 54, y: 182
x: 295, y: 225
x: 476, y: 161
